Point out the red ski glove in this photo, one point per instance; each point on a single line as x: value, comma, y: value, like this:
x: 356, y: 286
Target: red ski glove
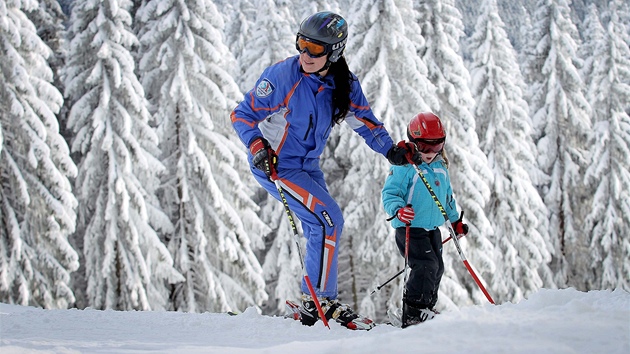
x: 459, y: 226
x: 264, y: 158
x: 406, y: 214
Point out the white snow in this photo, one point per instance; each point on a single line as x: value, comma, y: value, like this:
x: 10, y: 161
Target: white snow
x: 549, y: 321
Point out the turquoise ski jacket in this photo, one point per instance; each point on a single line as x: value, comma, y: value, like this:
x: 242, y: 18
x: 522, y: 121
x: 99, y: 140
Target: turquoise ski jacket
x: 404, y: 186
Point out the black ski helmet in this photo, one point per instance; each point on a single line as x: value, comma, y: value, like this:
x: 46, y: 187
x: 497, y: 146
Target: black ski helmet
x: 327, y: 28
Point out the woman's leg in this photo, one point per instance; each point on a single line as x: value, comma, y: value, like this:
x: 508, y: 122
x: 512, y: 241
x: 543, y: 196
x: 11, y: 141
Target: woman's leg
x: 322, y: 223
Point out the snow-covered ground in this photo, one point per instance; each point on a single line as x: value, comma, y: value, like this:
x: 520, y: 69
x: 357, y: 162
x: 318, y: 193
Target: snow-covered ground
x: 549, y: 321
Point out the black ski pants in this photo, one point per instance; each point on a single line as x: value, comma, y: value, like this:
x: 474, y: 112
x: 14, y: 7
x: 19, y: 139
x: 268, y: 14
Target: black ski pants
x: 426, y: 264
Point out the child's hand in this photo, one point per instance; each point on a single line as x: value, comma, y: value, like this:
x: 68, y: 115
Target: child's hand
x: 406, y: 214
x: 459, y: 226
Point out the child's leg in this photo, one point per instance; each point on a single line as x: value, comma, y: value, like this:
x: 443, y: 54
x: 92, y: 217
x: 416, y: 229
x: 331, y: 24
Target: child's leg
x: 436, y: 244
x: 425, y: 267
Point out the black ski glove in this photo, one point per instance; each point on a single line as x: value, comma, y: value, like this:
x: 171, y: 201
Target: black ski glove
x: 264, y: 158
x: 401, y: 153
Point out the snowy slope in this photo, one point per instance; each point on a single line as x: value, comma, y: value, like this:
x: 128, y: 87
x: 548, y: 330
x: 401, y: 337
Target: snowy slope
x: 550, y: 321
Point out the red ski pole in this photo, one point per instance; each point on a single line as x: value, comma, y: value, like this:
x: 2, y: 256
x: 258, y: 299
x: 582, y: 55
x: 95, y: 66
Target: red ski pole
x: 452, y: 232
x: 463, y: 257
x: 407, y: 228
x: 296, y: 236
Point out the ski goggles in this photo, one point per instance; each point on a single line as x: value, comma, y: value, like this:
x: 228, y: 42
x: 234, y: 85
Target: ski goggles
x: 312, y: 48
x: 427, y: 146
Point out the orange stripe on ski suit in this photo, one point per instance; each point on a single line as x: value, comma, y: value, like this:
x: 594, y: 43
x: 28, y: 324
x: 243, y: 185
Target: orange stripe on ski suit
x: 368, y: 123
x: 330, y: 243
x: 301, y: 194
x: 285, y: 103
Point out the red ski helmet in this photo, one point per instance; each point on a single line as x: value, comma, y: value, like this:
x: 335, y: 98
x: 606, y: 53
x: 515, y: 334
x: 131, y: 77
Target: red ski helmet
x: 425, y: 126
x: 427, y: 132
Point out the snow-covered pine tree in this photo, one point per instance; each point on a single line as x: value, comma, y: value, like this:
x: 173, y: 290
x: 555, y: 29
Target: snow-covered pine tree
x: 126, y: 264
x: 282, y: 267
x: 183, y: 67
x: 37, y: 207
x: 301, y: 9
x: 608, y: 222
x: 239, y: 17
x: 623, y: 10
x: 382, y: 52
x: 517, y: 213
x: 271, y: 39
x: 524, y: 31
x: 470, y: 174
x: 561, y: 123
x: 592, y: 38
x: 48, y: 19
x: 592, y: 34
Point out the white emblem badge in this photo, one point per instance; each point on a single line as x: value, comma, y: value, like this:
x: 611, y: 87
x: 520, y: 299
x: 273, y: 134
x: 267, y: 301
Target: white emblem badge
x: 264, y: 88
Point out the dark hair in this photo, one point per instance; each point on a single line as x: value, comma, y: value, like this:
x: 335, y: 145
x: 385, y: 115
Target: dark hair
x: 341, y: 94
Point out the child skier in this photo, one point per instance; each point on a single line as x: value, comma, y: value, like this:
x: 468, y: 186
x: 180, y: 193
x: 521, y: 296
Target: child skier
x: 404, y: 193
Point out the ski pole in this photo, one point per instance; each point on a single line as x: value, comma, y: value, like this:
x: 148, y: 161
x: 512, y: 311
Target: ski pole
x: 470, y: 270
x: 378, y: 288
x: 296, y: 236
x: 452, y: 233
x: 407, y: 228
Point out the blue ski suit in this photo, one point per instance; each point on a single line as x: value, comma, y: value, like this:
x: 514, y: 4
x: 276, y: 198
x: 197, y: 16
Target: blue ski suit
x: 404, y: 186
x: 292, y: 110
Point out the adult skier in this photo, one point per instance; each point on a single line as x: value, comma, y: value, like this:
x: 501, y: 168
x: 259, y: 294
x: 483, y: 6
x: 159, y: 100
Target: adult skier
x: 285, y: 121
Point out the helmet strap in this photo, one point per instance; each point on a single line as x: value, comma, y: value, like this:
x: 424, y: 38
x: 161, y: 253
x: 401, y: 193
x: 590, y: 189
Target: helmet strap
x: 325, y: 67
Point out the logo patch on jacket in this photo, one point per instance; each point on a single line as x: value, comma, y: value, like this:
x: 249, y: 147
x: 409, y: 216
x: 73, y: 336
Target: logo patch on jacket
x: 327, y: 218
x: 264, y: 88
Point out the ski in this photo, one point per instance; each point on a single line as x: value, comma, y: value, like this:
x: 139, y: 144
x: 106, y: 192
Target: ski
x: 293, y: 310
x: 395, y: 316
x: 360, y: 323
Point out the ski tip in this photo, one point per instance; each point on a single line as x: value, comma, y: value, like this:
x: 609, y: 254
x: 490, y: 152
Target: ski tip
x: 364, y: 324
x: 293, y: 310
